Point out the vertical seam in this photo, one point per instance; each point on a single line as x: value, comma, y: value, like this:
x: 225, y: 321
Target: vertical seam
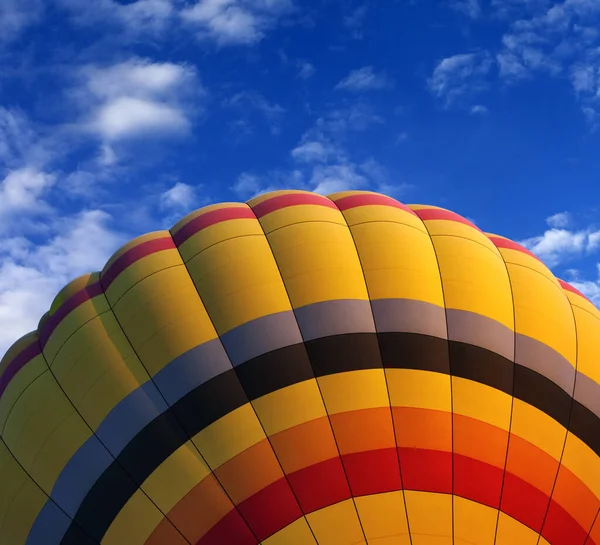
x: 382, y: 367
x: 267, y: 437
x: 569, y: 421
x: 94, y: 432
x: 449, y: 362
x: 512, y: 401
x: 318, y: 386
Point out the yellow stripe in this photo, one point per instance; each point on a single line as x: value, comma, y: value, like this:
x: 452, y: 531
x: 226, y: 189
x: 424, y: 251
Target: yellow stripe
x: 481, y: 402
x: 139, y: 270
x: 175, y: 477
x: 474, y: 279
x: 336, y: 524
x: 228, y: 436
x: 291, y: 215
x: 542, y: 311
x: 430, y: 517
x: 71, y: 323
x: 474, y: 522
x: 163, y: 317
x: 219, y: 232
x: 354, y: 390
x: 238, y: 281
x: 97, y: 368
x: 383, y: 518
x: 398, y: 262
x: 18, y: 385
x: 318, y: 262
x: 297, y: 533
x: 511, y: 531
x: 71, y: 289
x: 132, y: 244
x: 289, y: 407
x: 44, y: 431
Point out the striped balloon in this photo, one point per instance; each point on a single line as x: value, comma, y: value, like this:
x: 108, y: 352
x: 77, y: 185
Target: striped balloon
x: 305, y: 370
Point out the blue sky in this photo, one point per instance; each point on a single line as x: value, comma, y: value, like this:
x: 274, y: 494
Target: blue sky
x: 117, y: 117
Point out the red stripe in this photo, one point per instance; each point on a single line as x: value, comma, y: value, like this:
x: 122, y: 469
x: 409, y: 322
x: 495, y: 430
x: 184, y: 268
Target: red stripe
x: 436, y: 214
x: 230, y: 529
x: 422, y: 470
x: 211, y: 218
x: 511, y: 245
x: 22, y: 359
x: 320, y: 485
x: 293, y: 199
x: 87, y: 293
x: 135, y: 254
x: 561, y: 528
x: 270, y: 510
x: 568, y: 287
x: 370, y: 199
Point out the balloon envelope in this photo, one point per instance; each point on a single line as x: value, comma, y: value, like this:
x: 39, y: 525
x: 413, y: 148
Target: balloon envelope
x: 301, y: 370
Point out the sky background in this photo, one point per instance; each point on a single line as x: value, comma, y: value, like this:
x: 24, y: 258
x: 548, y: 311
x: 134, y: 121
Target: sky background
x: 117, y: 117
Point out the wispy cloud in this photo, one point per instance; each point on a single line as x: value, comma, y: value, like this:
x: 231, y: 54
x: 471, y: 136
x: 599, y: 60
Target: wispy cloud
x: 133, y: 19
x: 355, y: 20
x: 364, y: 79
x: 559, y: 220
x: 305, y: 70
x: 247, y: 102
x: 470, y: 8
x: 235, y: 22
x: 16, y: 16
x: 323, y: 163
x: 479, y: 109
x: 31, y: 275
x: 460, y: 75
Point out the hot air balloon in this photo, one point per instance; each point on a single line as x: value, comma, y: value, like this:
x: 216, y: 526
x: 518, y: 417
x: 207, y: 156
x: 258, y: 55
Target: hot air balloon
x: 300, y: 370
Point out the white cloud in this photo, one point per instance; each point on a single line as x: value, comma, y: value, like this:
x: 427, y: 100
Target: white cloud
x: 470, y: 8
x: 133, y: 18
x: 180, y: 196
x: 364, y: 79
x: 306, y: 70
x: 138, y: 98
x: 561, y: 219
x: 248, y: 101
x: 328, y: 179
x: 557, y: 246
x: 479, y: 109
x: 21, y: 191
x: 16, y: 16
x: 355, y: 21
x: 459, y: 75
x: 31, y: 276
x: 128, y: 117
x: 311, y: 151
x: 235, y: 22
x: 589, y: 288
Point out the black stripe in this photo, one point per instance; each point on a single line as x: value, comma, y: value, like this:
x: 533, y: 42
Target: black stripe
x: 294, y: 364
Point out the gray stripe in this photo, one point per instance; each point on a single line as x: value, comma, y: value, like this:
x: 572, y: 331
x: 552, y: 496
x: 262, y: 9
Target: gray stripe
x: 335, y: 318
x: 260, y: 336
x: 130, y: 416
x: 80, y: 474
x: 409, y: 316
x: 587, y: 392
x: 478, y: 330
x: 191, y: 369
x: 544, y: 360
x: 49, y: 527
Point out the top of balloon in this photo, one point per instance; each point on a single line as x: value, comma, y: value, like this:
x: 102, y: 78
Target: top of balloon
x: 264, y: 215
